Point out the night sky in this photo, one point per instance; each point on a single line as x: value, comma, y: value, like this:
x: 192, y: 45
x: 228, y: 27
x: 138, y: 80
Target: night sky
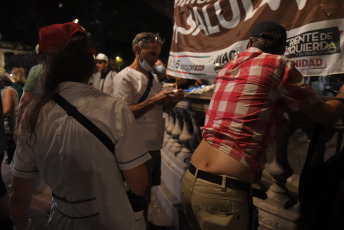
x: 112, y: 24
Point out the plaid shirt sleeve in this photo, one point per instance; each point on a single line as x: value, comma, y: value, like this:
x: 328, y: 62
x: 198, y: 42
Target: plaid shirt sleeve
x: 295, y: 92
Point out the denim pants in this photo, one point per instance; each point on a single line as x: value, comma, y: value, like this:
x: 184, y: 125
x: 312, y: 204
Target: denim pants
x: 215, y: 207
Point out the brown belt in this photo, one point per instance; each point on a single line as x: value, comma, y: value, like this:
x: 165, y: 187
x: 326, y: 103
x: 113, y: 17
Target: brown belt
x: 217, y: 179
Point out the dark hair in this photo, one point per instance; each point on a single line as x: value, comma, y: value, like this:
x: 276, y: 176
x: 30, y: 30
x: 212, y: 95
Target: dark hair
x: 271, y: 41
x: 43, y: 57
x: 142, y: 39
x: 4, y: 80
x: 73, y: 62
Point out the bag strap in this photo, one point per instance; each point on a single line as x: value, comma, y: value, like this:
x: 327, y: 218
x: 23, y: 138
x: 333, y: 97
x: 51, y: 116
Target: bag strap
x: 72, y: 111
x: 148, y: 88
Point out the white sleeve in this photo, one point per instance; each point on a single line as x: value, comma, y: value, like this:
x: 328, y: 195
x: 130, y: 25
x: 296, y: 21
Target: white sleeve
x: 24, y: 161
x: 123, y: 88
x: 130, y: 149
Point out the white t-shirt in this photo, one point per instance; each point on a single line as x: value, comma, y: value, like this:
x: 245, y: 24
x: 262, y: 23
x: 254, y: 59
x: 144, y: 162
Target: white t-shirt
x: 106, y: 85
x: 81, y: 171
x: 130, y: 85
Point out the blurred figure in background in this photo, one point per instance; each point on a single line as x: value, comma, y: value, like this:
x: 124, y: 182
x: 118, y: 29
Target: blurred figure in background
x: 18, y: 75
x: 112, y: 64
x: 5, y: 221
x: 160, y: 70
x: 9, y: 97
x: 103, y: 79
x: 182, y: 83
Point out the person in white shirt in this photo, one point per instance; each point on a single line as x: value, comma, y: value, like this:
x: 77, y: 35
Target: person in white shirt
x: 103, y: 79
x: 142, y: 90
x: 84, y: 175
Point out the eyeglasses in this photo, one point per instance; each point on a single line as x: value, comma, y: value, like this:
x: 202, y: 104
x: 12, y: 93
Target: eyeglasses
x: 150, y: 37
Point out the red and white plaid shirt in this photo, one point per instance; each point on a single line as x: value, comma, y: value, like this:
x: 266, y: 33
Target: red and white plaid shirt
x: 247, y: 106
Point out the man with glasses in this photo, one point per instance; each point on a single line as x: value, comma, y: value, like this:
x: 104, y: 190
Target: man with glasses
x: 140, y: 87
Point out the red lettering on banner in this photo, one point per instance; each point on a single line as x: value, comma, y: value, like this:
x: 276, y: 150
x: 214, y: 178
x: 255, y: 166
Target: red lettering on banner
x: 304, y: 62
x: 310, y: 63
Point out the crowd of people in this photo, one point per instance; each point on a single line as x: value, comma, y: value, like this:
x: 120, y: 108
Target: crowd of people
x: 94, y: 133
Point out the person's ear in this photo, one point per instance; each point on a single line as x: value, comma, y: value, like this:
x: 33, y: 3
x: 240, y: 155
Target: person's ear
x: 137, y: 49
x: 250, y: 42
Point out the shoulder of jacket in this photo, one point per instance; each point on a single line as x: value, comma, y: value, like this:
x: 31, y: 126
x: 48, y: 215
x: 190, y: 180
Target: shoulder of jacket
x: 96, y: 74
x: 113, y: 73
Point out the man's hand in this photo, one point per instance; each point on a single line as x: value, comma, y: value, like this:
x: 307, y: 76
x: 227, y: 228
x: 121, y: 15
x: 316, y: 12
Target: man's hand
x: 327, y: 112
x: 176, y: 96
x: 162, y: 97
x: 341, y: 92
x: 173, y: 99
x: 159, y: 99
x: 167, y: 98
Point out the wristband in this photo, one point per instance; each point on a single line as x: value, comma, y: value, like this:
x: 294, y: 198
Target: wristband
x: 339, y: 99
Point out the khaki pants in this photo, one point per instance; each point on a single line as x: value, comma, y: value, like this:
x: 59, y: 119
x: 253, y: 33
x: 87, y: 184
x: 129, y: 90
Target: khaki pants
x: 211, y: 206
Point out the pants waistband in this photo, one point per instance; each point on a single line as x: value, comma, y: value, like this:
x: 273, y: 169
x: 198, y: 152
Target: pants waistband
x: 217, y: 179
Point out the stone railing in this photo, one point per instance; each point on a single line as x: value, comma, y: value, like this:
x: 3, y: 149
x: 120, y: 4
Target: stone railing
x: 280, y: 177
x: 182, y: 136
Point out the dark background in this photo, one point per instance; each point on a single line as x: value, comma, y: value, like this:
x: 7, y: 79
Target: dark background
x: 111, y: 24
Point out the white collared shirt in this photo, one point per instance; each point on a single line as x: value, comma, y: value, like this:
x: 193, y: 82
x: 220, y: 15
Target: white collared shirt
x: 107, y: 84
x: 130, y: 85
x: 77, y: 166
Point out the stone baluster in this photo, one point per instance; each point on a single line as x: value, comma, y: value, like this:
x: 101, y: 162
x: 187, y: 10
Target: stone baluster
x: 167, y: 135
x: 197, y: 120
x: 185, y: 137
x: 176, y: 132
x: 169, y: 130
x: 170, y: 126
x: 280, y: 170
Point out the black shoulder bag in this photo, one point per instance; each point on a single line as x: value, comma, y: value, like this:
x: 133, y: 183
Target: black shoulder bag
x: 138, y: 203
x: 148, y: 88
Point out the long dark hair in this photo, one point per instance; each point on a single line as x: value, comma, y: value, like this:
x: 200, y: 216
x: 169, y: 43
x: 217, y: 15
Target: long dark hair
x: 73, y: 62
